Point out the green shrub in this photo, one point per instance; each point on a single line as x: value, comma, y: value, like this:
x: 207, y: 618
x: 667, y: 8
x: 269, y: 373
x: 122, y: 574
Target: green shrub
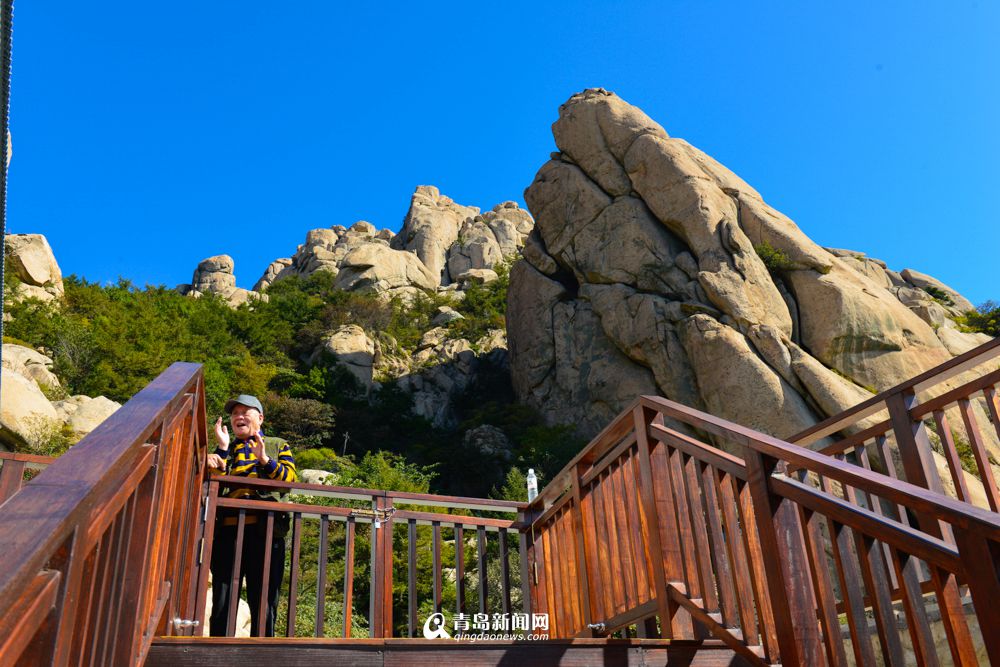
x: 984, y: 319
x: 774, y: 259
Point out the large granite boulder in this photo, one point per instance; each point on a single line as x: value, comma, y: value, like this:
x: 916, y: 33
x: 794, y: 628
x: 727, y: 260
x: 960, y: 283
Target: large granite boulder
x: 31, y: 364
x: 82, y: 414
x: 655, y: 269
x: 351, y: 348
x: 26, y: 416
x: 35, y: 266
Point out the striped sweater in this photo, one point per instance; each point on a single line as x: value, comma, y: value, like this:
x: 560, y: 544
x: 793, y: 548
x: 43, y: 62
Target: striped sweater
x: 240, y: 461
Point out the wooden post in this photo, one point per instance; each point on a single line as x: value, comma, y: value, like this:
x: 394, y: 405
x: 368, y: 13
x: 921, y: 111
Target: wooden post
x: 915, y: 451
x: 783, y: 553
x: 982, y: 559
x: 381, y: 623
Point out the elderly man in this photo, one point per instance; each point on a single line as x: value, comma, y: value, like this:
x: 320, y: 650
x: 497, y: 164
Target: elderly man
x: 252, y: 455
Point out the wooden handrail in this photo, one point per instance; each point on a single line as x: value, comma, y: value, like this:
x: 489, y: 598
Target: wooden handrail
x: 651, y: 523
x: 384, y: 510
x: 98, y: 518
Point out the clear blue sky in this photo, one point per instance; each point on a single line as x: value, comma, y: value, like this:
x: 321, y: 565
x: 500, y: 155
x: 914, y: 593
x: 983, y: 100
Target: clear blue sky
x: 148, y: 136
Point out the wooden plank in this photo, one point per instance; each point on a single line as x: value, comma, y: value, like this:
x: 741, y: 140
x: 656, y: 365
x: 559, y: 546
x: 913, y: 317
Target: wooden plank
x: 717, y: 548
x: 505, y: 575
x: 826, y: 597
x: 603, y: 549
x: 460, y: 569
x: 877, y: 584
x: 637, y: 537
x: 263, y: 606
x: 622, y: 532
x: 648, y: 525
x: 677, y: 621
x: 702, y: 550
x: 293, y: 575
x: 851, y: 589
x: 319, y: 627
x: 195, y: 652
x: 11, y: 478
x: 617, y: 577
x: 979, y: 452
x: 349, y: 578
x: 583, y: 562
x: 725, y: 634
x: 692, y: 577
x: 951, y: 455
x: 751, y: 546
x: 22, y: 621
x: 983, y: 560
x: 792, y: 605
x: 742, y: 579
x: 701, y: 451
x: 589, y: 539
x: 436, y: 566
x: 937, y: 375
x: 931, y: 549
x: 956, y: 395
x: 411, y: 577
x: 481, y: 557
x: 921, y: 638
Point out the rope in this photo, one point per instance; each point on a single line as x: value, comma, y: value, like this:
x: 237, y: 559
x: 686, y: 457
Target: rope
x: 6, y: 18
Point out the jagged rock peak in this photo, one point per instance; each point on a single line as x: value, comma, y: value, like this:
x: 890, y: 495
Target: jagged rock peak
x: 214, y: 275
x: 655, y: 269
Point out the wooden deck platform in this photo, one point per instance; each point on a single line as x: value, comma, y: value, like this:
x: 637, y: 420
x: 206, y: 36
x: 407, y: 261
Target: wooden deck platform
x: 212, y: 652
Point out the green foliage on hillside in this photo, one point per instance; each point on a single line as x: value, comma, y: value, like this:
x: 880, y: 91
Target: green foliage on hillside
x: 112, y: 340
x: 984, y: 319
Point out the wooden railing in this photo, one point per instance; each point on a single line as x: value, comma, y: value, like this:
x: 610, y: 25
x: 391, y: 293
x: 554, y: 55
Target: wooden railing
x: 678, y: 522
x: 16, y: 468
x: 411, y: 540
x: 951, y: 409
x: 94, y: 548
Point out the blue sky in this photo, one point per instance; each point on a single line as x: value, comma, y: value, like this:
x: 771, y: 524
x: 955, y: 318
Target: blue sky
x: 147, y: 139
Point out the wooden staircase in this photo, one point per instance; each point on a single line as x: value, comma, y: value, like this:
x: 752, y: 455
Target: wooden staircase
x: 674, y: 537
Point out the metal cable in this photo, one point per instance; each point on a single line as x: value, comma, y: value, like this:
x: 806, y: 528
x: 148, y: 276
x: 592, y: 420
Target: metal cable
x: 6, y: 18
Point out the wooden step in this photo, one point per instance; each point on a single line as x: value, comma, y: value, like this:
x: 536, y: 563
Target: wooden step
x: 219, y: 652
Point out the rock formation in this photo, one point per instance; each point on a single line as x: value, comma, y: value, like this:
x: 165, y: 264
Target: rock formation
x: 214, y: 275
x: 29, y: 421
x: 654, y: 269
x: 34, y: 266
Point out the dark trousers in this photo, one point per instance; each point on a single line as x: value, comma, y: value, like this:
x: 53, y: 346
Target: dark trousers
x: 252, y: 569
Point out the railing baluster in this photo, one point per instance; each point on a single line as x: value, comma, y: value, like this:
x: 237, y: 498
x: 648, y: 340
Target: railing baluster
x: 622, y: 531
x: 583, y: 559
x: 263, y: 607
x: 742, y: 580
x: 981, y: 556
x: 638, y: 542
x: 717, y: 547
x: 504, y: 574
x: 979, y: 452
x: 436, y: 568
x: 411, y: 570
x: 823, y: 587
x: 349, y: 577
x: 792, y: 605
x: 293, y: 575
x: 610, y: 583
x: 921, y: 640
x: 319, y: 628
x: 481, y: 553
x: 617, y: 574
x: 460, y: 569
x: 951, y: 455
x: 762, y: 595
x: 702, y: 551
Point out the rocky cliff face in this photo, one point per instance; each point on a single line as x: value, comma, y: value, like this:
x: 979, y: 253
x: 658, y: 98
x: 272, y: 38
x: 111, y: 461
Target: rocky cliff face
x: 654, y: 269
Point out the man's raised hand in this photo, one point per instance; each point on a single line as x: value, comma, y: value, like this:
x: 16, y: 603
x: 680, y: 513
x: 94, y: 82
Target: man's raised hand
x: 222, y: 434
x: 258, y: 449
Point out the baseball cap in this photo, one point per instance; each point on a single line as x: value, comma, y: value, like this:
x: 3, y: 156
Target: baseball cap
x: 244, y: 399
